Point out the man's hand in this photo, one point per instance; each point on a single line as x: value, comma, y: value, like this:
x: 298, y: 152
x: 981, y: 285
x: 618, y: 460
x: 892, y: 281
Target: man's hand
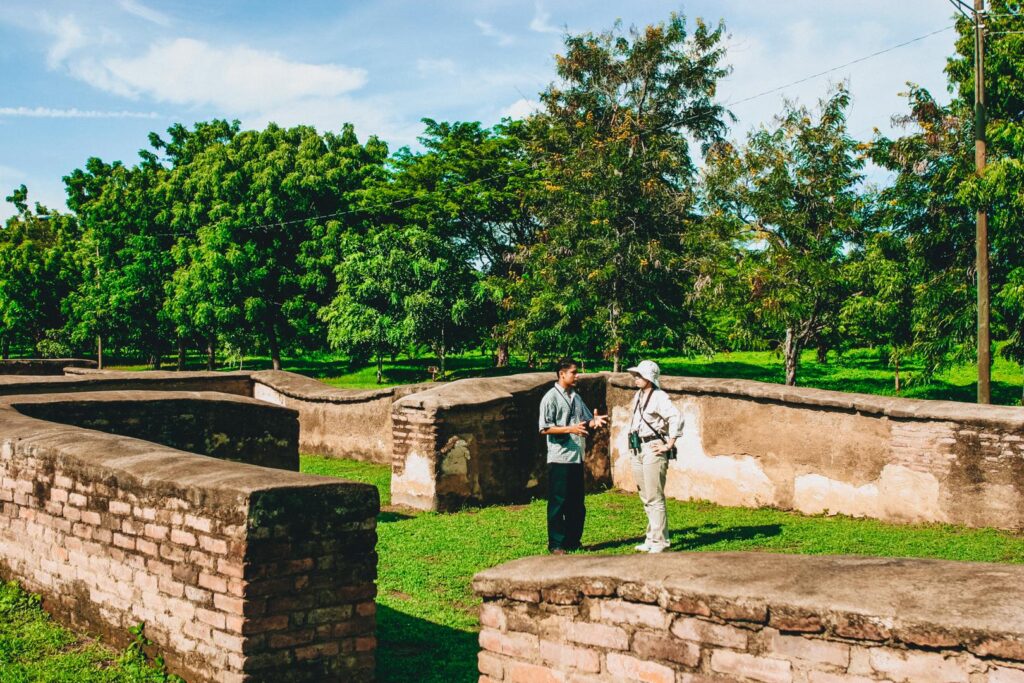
x: 599, y: 420
x: 579, y: 429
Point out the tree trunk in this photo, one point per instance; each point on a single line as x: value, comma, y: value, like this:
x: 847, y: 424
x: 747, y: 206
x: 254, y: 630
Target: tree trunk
x: 181, y: 354
x: 617, y: 359
x: 275, y: 350
x: 210, y: 355
x: 380, y: 369
x: 822, y: 353
x: 502, y: 360
x: 5, y: 348
x: 99, y: 352
x: 156, y: 360
x: 791, y: 353
x: 896, y: 367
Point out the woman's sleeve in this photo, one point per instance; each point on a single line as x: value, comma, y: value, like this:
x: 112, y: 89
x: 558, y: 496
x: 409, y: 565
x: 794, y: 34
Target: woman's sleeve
x: 671, y: 414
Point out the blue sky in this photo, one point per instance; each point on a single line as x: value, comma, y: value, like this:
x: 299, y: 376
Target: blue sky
x: 92, y: 77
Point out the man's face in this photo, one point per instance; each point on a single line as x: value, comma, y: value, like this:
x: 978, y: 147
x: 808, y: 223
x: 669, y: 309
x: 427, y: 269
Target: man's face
x: 568, y: 376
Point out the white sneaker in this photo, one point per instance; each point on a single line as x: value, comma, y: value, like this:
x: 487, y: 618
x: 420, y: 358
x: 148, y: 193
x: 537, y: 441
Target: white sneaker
x: 643, y: 548
x: 657, y: 548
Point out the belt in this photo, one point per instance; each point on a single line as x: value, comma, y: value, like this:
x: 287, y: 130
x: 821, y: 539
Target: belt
x: 652, y: 437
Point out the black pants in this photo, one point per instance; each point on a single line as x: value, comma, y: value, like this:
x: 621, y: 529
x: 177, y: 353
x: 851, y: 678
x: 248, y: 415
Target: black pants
x: 566, y: 510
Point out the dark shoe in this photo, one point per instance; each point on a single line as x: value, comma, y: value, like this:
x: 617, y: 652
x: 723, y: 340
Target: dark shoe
x: 557, y: 551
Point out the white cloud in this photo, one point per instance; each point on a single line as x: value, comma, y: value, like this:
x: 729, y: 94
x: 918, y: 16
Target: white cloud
x: 236, y: 79
x: 432, y: 67
x: 148, y: 13
x: 68, y: 37
x: 520, y: 109
x: 490, y: 31
x: 74, y: 113
x: 541, y: 22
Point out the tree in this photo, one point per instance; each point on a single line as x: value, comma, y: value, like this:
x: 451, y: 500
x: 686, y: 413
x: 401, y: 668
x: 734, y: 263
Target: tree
x: 473, y: 185
x: 789, y: 198
x: 878, y: 312
x: 36, y: 274
x: 619, y: 245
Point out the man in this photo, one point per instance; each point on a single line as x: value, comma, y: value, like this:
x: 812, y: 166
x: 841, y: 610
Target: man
x: 564, y: 420
x: 654, y: 425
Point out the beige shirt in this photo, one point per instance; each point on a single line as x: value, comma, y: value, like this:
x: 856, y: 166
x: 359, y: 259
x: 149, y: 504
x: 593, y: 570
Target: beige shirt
x: 660, y: 413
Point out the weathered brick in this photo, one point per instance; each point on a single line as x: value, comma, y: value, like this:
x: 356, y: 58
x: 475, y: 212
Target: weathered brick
x: 520, y: 645
x: 566, y: 656
x: 117, y: 507
x: 490, y: 665
x: 701, y: 631
x: 1002, y: 674
x: 213, y: 582
x: 182, y: 537
x: 521, y: 672
x: 905, y: 665
x: 649, y: 645
x: 492, y: 616
x: 751, y: 666
x: 825, y: 677
x: 811, y: 649
x: 598, y: 635
x: 628, y: 667
x: 622, y: 612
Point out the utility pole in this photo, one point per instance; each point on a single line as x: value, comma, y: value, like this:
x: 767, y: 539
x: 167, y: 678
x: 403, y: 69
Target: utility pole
x: 981, y: 218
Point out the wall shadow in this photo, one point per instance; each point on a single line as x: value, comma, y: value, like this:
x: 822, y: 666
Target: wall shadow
x: 414, y: 649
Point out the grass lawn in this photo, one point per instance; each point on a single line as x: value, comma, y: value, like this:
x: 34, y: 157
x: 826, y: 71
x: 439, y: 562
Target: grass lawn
x: 427, y: 614
x: 857, y: 371
x: 33, y: 649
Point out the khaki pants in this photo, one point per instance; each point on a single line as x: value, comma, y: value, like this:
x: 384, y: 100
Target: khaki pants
x: 649, y: 473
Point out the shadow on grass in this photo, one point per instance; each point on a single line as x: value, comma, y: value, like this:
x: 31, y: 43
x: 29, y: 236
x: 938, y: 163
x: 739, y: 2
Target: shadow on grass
x: 692, y: 538
x: 414, y: 649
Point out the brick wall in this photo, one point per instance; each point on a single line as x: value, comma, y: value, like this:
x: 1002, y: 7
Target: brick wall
x: 42, y: 366
x: 756, y: 444
x: 476, y: 442
x: 744, y: 618
x: 239, y: 572
x: 219, y: 425
x: 338, y: 423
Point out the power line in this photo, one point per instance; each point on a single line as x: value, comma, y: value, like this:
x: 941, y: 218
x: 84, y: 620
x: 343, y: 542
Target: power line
x: 764, y: 93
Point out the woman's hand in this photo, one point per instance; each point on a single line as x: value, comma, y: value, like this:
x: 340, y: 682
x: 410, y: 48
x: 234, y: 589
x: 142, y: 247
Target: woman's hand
x: 660, y: 448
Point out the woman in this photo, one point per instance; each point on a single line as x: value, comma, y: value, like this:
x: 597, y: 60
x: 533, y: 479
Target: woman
x: 654, y: 426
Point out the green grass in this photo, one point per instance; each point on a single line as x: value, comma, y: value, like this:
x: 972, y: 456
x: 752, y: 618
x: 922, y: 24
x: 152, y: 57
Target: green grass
x: 427, y: 614
x: 35, y: 649
x: 856, y: 371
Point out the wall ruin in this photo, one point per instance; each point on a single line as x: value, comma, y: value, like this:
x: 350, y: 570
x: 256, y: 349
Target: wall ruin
x: 750, y: 617
x: 240, y: 572
x: 754, y: 444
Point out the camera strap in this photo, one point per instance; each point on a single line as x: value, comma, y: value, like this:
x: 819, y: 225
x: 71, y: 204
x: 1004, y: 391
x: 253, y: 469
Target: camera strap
x: 644, y: 419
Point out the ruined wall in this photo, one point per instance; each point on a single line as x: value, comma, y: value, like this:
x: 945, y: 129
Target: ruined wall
x: 239, y: 572
x: 42, y: 366
x: 475, y: 441
x: 746, y: 617
x: 86, y: 379
x: 754, y: 444
x: 219, y: 425
x: 339, y: 423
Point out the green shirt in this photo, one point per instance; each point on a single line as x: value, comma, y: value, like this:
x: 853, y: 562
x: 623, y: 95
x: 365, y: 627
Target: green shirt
x: 561, y: 409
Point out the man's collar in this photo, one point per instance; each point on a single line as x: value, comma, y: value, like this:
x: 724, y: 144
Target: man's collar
x: 567, y: 392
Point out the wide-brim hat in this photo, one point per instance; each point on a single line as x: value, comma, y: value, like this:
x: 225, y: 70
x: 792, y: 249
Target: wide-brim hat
x: 649, y: 370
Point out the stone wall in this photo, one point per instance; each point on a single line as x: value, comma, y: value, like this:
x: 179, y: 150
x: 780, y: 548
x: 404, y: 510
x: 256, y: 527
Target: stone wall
x: 338, y: 423
x: 239, y: 572
x: 85, y: 379
x: 42, y: 366
x: 750, y: 617
x: 475, y: 441
x: 218, y: 425
x: 755, y: 444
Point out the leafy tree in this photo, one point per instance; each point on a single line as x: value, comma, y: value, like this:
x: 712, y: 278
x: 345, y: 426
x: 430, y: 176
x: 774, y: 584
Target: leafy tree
x: 878, y: 312
x: 789, y: 198
x: 620, y: 248
x: 36, y: 274
x: 473, y: 185
x: 124, y: 253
